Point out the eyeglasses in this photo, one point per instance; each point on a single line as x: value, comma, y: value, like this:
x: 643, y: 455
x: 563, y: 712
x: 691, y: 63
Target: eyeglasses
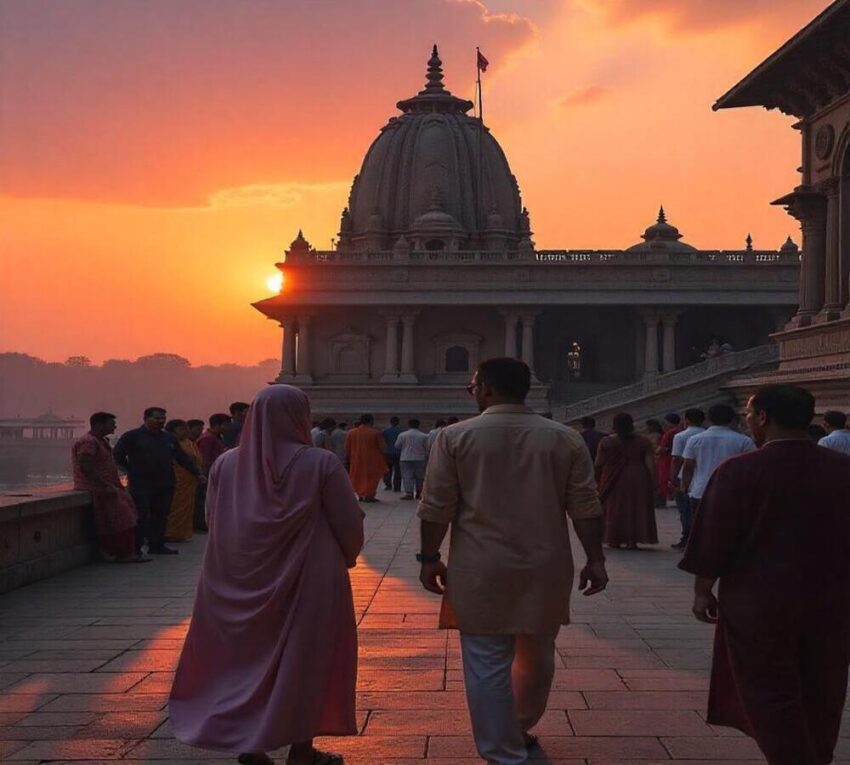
x: 472, y: 387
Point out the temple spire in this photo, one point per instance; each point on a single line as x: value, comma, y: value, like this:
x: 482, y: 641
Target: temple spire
x: 662, y: 218
x: 435, y: 73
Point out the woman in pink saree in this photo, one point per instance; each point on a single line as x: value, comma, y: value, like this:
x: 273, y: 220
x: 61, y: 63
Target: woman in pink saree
x: 271, y: 655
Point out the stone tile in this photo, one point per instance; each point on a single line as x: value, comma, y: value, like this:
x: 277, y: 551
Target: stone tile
x: 143, y: 661
x: 717, y: 748
x: 77, y: 749
x: 110, y: 702
x: 81, y: 683
x: 594, y: 722
x: 646, y: 699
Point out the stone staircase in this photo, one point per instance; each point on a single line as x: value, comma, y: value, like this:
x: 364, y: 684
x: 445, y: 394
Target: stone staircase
x: 697, y: 385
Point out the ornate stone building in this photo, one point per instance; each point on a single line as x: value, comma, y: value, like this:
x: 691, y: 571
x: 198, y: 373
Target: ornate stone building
x: 435, y: 268
x: 809, y: 78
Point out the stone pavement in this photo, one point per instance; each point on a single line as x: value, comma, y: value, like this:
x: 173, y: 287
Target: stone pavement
x: 86, y: 662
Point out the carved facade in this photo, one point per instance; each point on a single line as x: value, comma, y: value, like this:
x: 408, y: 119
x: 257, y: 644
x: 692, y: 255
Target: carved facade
x: 435, y: 269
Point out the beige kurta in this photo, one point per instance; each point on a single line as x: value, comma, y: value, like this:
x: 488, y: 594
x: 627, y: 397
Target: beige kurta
x: 506, y: 482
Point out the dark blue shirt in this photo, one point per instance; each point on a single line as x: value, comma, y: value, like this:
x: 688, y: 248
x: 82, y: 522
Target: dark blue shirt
x: 390, y: 435
x: 149, y: 457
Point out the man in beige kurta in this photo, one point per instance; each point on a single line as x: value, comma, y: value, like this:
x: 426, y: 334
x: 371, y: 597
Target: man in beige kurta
x: 505, y: 483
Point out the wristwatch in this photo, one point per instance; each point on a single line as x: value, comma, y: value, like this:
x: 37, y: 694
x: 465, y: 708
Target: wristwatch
x: 423, y: 558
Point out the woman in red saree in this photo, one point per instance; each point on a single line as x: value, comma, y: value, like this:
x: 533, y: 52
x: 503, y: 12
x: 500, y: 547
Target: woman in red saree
x: 625, y: 471
x: 271, y: 655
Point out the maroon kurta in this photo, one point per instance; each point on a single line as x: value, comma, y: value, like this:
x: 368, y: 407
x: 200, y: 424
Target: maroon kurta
x: 626, y: 490
x: 774, y: 526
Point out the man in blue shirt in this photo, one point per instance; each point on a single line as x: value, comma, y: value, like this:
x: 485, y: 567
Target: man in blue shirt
x: 392, y: 479
x: 148, y: 454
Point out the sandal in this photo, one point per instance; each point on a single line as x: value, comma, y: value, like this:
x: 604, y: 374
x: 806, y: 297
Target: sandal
x: 255, y: 758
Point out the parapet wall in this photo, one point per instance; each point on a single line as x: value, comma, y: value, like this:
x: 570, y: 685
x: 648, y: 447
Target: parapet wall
x: 42, y: 533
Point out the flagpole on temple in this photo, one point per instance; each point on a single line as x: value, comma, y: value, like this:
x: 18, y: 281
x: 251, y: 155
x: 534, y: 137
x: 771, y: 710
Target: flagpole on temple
x: 481, y: 216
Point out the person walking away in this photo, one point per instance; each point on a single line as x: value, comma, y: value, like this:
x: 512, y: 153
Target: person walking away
x: 210, y: 446
x: 181, y: 515
x: 505, y: 483
x: 338, y: 442
x: 238, y: 412
x: 364, y: 447
x: 392, y: 478
x: 148, y: 454
x: 435, y: 431
x: 773, y: 532
x: 664, y: 456
x: 838, y: 436
x: 625, y: 468
x: 270, y: 659
x: 694, y: 418
x: 705, y: 451
x: 413, y: 446
x: 322, y: 438
x: 591, y: 435
x: 95, y: 472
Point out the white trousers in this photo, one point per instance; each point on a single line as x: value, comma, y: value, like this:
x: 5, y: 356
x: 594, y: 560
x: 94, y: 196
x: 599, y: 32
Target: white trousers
x: 508, y: 679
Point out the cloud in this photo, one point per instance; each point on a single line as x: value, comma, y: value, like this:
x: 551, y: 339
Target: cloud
x: 705, y: 15
x: 584, y: 97
x: 161, y: 103
x: 281, y: 195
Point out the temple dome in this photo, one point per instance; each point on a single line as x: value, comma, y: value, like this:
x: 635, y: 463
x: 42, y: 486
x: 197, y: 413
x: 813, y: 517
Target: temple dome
x: 661, y: 235
x: 431, y: 152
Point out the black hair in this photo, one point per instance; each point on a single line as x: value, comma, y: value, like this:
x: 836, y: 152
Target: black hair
x: 172, y: 425
x: 366, y: 419
x: 673, y: 418
x: 394, y: 420
x: 452, y: 421
x: 414, y: 423
x: 624, y: 425
x: 696, y: 416
x: 342, y: 425
x: 510, y: 378
x: 195, y: 423
x: 441, y: 423
x: 836, y: 419
x: 789, y: 406
x: 816, y: 432
x: 238, y: 406
x: 588, y: 422
x: 219, y: 419
x: 100, y: 418
x: 721, y: 414
x: 151, y: 410
x: 654, y: 426
x: 329, y: 423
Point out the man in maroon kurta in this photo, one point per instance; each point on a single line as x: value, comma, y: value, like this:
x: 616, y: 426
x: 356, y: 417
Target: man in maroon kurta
x: 774, y: 528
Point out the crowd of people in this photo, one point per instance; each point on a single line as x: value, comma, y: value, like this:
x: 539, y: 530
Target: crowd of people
x: 271, y: 654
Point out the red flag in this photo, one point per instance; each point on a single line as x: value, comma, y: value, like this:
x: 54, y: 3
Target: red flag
x: 483, y: 63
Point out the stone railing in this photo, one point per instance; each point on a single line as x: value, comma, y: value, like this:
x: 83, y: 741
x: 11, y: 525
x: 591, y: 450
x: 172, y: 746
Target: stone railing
x: 547, y: 257
x: 43, y: 532
x: 653, y: 385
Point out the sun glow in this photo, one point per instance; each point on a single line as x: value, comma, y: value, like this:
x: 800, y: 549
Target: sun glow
x: 275, y: 283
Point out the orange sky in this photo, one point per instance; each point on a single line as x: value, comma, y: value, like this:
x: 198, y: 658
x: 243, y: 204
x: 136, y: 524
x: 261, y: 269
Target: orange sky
x: 157, y: 157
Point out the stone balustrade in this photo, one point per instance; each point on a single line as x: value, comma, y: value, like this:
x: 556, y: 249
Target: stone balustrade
x: 43, y: 532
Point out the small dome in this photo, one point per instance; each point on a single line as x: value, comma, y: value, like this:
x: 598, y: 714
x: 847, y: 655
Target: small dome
x: 661, y: 235
x: 789, y: 245
x: 436, y: 218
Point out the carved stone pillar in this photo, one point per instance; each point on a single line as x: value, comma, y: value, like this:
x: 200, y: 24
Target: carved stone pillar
x: 511, y: 320
x: 528, y: 340
x: 832, y: 252
x: 668, y: 324
x: 287, y: 351
x: 391, y: 364
x: 650, y: 363
x: 408, y: 373
x: 809, y: 208
x: 303, y: 363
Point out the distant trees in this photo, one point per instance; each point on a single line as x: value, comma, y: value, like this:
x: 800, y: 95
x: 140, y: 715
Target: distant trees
x: 78, y: 361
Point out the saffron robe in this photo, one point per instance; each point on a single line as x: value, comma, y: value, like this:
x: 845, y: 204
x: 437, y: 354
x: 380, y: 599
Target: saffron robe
x: 181, y: 515
x: 774, y: 527
x: 364, y: 446
x: 271, y: 654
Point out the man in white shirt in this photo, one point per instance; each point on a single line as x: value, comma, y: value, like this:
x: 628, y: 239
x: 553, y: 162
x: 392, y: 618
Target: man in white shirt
x: 838, y: 435
x: 413, y: 447
x: 694, y: 418
x: 435, y: 431
x: 705, y: 451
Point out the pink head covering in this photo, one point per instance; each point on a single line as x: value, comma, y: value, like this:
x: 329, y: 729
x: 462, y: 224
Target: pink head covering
x: 276, y: 431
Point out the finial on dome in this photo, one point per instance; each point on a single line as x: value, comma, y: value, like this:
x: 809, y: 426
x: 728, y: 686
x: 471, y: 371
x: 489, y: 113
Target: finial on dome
x: 789, y: 246
x: 662, y: 218
x: 749, y: 241
x: 435, y: 72
x: 436, y: 200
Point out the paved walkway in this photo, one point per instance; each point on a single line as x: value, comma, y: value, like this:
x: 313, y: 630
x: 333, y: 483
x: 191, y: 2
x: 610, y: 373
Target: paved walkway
x: 86, y: 662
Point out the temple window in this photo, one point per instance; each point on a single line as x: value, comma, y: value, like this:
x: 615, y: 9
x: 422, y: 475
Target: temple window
x: 457, y: 359
x: 433, y: 245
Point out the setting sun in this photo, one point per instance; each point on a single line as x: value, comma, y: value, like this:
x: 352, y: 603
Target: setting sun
x: 275, y: 283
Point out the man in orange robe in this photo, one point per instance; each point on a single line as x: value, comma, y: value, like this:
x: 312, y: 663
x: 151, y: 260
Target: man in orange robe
x: 365, y: 447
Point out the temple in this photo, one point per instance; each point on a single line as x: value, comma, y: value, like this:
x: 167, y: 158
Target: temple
x: 809, y: 78
x: 435, y: 268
